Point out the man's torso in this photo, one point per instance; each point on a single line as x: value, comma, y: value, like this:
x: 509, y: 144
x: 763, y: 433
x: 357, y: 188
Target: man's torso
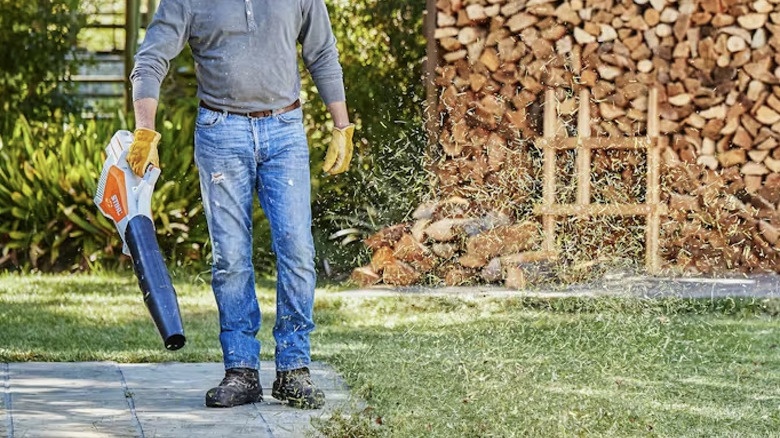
x: 245, y: 52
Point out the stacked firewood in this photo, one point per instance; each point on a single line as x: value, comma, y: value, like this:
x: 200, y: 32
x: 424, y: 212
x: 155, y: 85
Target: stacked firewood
x: 715, y: 224
x: 716, y: 64
x: 457, y: 248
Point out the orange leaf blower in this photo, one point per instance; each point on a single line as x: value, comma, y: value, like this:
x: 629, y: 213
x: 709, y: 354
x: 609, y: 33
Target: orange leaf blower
x: 126, y: 199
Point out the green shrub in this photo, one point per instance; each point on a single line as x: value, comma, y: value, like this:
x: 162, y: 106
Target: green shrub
x: 48, y: 177
x: 36, y: 39
x: 47, y: 174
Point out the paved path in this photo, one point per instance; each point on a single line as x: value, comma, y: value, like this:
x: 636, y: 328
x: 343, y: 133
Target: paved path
x: 615, y: 285
x: 106, y: 399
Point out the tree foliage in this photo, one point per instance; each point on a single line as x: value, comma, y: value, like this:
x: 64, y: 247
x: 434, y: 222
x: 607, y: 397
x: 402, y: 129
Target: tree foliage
x: 36, y: 39
x: 382, y: 46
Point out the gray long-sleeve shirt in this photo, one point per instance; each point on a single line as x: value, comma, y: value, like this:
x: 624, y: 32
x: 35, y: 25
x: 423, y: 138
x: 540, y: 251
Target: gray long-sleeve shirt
x: 245, y: 51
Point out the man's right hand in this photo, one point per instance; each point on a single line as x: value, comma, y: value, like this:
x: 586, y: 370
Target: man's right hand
x: 143, y: 151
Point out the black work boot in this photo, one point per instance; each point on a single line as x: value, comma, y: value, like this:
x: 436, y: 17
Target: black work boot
x: 240, y: 386
x: 296, y: 387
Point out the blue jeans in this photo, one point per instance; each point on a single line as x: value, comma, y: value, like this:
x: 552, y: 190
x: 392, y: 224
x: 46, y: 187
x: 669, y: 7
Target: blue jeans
x: 236, y: 157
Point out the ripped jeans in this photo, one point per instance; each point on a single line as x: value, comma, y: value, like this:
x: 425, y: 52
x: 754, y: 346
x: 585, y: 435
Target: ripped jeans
x: 236, y: 157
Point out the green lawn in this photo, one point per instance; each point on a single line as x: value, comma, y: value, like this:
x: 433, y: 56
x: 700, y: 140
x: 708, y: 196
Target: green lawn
x: 448, y: 367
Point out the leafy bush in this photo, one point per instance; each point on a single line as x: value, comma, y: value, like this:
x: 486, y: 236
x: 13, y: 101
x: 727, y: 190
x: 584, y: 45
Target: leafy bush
x: 48, y: 177
x: 36, y: 37
x: 46, y: 174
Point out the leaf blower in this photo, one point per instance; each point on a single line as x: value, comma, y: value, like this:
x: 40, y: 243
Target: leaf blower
x: 126, y: 199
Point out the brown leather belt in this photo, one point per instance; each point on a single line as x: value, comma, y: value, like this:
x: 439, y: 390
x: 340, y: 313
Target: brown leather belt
x: 264, y: 113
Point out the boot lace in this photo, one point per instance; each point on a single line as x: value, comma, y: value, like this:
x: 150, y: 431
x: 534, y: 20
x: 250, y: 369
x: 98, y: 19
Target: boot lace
x: 234, y: 378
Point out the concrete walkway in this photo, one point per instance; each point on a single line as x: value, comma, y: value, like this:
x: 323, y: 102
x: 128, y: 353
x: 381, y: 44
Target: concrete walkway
x: 106, y: 399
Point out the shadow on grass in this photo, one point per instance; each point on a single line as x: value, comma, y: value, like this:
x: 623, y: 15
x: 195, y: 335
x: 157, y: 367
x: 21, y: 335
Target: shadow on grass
x: 91, y: 318
x: 42, y: 332
x: 114, y: 282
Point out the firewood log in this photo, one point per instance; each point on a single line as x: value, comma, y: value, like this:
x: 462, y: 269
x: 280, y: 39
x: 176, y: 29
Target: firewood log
x: 400, y: 274
x: 386, y: 237
x: 382, y: 258
x: 500, y: 241
x: 365, y: 276
x: 515, y: 278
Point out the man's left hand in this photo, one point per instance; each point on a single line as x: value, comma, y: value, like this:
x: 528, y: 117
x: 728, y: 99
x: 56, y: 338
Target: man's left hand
x: 340, y: 149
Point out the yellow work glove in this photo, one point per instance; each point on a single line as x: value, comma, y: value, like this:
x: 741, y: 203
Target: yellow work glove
x: 143, y: 151
x: 339, y: 151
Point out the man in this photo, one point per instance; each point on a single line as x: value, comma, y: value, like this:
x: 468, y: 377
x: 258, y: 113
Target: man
x: 249, y: 137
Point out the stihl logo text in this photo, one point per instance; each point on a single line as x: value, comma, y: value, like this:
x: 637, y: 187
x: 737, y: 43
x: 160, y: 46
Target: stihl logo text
x: 117, y: 204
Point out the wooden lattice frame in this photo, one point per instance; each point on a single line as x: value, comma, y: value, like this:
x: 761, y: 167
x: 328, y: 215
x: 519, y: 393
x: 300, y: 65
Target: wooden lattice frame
x: 584, y: 144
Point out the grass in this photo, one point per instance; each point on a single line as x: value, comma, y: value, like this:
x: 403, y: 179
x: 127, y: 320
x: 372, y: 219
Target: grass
x: 450, y: 367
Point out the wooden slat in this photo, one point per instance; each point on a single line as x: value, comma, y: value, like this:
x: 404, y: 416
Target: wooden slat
x: 652, y: 114
x: 549, y: 114
x: 105, y: 26
x: 583, y: 154
x: 97, y: 78
x: 548, y: 195
x: 653, y: 228
x: 598, y: 209
x: 432, y: 59
x: 117, y: 95
x: 630, y: 143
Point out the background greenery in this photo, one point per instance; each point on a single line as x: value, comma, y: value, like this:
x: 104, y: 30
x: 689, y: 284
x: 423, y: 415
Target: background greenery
x: 36, y: 43
x: 51, y: 158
